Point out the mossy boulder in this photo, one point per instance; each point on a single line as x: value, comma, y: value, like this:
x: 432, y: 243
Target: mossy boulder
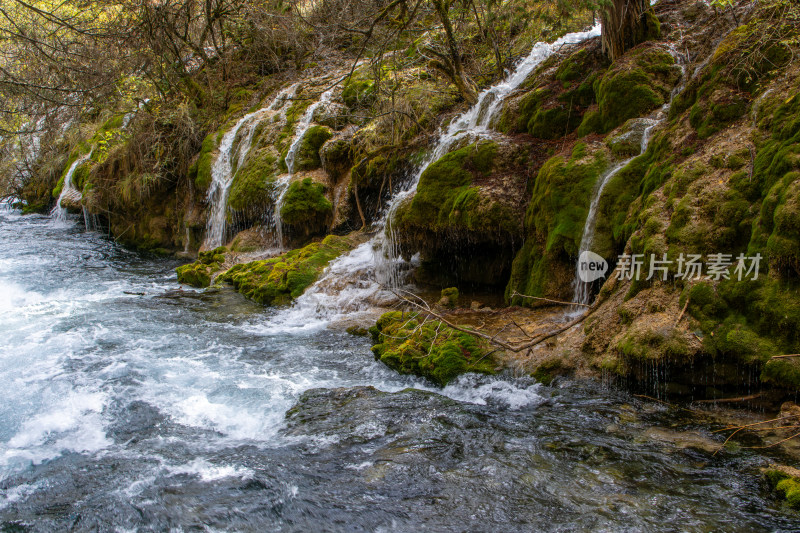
x: 637, y: 83
x: 305, y: 207
x: 465, y: 217
x: 279, y: 280
x: 252, y: 186
x: 307, y: 156
x: 786, y: 484
x: 409, y: 344
x: 199, y: 273
x: 554, y: 223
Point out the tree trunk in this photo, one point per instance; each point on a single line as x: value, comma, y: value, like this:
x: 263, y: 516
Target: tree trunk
x: 627, y: 23
x: 463, y: 83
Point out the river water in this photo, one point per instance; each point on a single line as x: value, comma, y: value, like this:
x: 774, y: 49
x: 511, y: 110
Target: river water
x: 132, y: 404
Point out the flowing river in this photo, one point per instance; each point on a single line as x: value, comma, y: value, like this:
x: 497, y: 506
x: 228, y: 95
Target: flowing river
x: 131, y: 404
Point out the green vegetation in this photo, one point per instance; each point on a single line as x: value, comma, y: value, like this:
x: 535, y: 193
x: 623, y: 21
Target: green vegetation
x: 554, y: 222
x: 412, y: 345
x: 637, y: 83
x: 788, y: 487
x: 198, y: 274
x: 304, y: 204
x: 279, y: 280
x: 253, y: 183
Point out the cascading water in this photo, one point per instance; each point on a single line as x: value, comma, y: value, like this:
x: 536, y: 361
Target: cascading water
x: 582, y: 291
x: 376, y: 265
x: 222, y: 175
x: 67, y: 190
x: 282, y: 183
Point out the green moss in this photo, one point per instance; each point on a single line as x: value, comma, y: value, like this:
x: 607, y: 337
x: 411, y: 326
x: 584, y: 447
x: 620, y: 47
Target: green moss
x: 445, y: 199
x: 554, y: 222
x: 305, y: 203
x: 449, y: 297
x: 307, y: 156
x: 277, y: 281
x: 198, y: 274
x: 253, y: 183
x: 200, y: 172
x: 358, y: 92
x: 786, y: 486
x: 411, y: 345
x: 636, y: 84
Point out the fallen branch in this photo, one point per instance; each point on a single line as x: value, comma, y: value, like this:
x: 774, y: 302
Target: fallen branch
x: 785, y: 356
x: 511, y: 348
x: 680, y: 316
x: 557, y: 302
x: 731, y: 400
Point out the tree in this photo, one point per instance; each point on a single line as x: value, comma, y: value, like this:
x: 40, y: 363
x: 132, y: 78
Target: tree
x: 627, y: 23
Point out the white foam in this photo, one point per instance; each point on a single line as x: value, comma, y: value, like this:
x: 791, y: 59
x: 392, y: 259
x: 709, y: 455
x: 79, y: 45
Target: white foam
x: 210, y: 472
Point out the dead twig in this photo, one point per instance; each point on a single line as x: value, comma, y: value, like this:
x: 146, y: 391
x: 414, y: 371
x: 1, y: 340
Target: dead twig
x: 785, y: 356
x: 557, y: 302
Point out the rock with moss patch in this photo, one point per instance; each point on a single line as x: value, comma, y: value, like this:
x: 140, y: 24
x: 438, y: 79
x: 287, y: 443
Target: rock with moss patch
x: 305, y: 207
x: 279, y: 280
x: 785, y: 481
x: 199, y: 273
x: 411, y: 345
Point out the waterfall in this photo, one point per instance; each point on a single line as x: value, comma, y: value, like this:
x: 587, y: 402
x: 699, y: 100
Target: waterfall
x: 474, y: 123
x: 67, y: 190
x: 365, y: 272
x: 582, y: 291
x: 282, y: 183
x: 222, y: 174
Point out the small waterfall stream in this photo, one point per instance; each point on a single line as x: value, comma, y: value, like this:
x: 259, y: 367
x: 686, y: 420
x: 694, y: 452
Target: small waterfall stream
x: 282, y: 183
x: 67, y: 190
x: 222, y: 174
x: 583, y: 291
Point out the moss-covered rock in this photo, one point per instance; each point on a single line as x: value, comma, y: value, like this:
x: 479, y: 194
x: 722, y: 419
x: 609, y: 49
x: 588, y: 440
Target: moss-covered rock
x: 786, y: 485
x: 465, y: 217
x: 307, y: 156
x: 199, y: 273
x: 305, y: 207
x: 279, y: 280
x: 637, y: 83
x: 252, y: 187
x: 554, y: 223
x: 411, y: 345
x: 359, y: 91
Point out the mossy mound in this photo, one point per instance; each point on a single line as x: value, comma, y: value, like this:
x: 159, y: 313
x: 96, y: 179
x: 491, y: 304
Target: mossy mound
x: 409, y: 344
x: 198, y: 274
x: 785, y: 485
x: 359, y: 91
x: 554, y: 223
x: 305, y: 207
x: 555, y: 107
x: 279, y: 280
x: 252, y: 186
x: 465, y: 216
x: 307, y: 156
x: 637, y: 83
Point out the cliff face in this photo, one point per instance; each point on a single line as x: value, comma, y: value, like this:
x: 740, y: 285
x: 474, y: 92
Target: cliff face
x: 685, y: 146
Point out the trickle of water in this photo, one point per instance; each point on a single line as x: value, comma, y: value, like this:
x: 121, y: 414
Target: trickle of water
x: 67, y: 190
x: 283, y: 182
x: 582, y: 291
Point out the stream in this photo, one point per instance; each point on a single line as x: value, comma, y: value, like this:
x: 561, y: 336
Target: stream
x: 133, y: 404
